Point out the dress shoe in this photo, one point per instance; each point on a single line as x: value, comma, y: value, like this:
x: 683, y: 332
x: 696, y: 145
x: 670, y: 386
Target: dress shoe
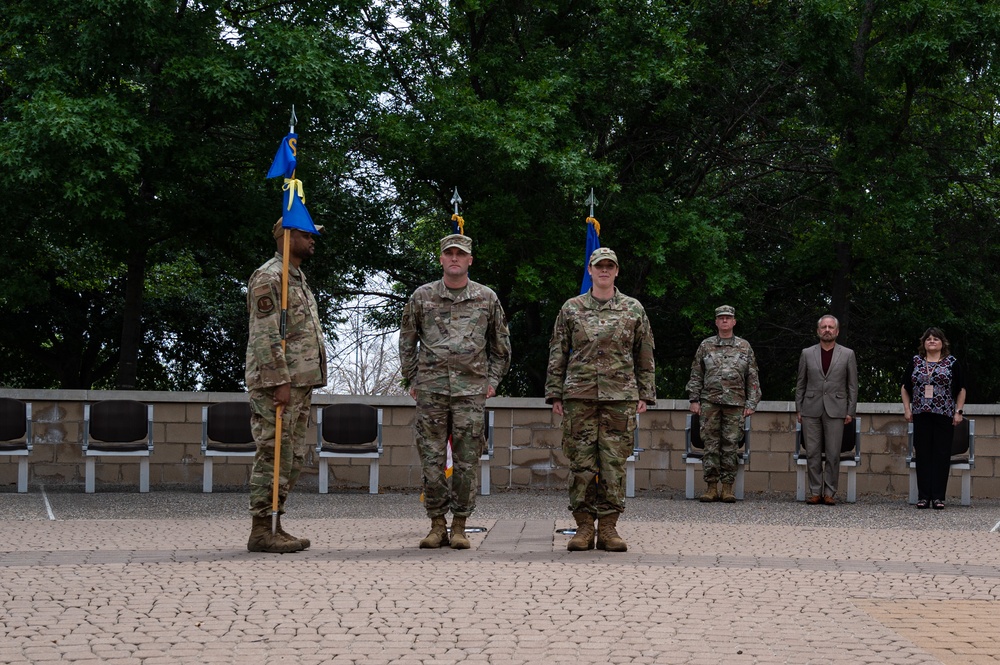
x: 829, y: 500
x: 814, y: 499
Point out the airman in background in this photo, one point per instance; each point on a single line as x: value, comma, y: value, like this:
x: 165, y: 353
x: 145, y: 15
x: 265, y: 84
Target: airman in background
x: 723, y: 390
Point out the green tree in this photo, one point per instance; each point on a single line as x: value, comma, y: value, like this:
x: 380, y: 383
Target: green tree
x: 788, y: 158
x: 524, y: 107
x: 873, y: 186
x: 134, y: 141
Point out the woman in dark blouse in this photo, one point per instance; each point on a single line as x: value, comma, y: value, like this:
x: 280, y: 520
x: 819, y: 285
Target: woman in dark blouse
x: 933, y: 394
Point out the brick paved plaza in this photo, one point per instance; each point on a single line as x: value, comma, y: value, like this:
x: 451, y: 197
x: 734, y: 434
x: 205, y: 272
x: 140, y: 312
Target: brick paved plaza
x: 165, y: 578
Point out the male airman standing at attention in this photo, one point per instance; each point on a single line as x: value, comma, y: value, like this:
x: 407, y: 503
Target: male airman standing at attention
x: 284, y: 377
x: 454, y: 348
x: 723, y: 390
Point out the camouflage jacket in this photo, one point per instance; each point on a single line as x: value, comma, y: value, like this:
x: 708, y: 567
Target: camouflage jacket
x: 303, y: 362
x: 451, y: 345
x: 724, y: 372
x: 601, y: 351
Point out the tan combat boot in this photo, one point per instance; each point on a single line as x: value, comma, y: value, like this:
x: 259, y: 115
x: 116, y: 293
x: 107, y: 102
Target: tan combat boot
x: 305, y: 542
x: 438, y: 535
x: 727, y: 493
x: 711, y: 494
x: 262, y: 540
x: 459, y: 541
x: 607, y: 535
x: 584, y: 538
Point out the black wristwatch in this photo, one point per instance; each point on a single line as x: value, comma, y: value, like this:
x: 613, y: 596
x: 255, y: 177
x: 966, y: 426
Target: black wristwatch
x: 694, y: 401
x: 961, y: 412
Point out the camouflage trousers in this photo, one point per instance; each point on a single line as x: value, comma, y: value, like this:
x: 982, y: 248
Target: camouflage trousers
x: 597, y: 439
x: 721, y: 432
x: 439, y: 415
x: 294, y: 421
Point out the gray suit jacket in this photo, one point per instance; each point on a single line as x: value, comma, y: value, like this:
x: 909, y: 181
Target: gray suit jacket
x: 836, y: 392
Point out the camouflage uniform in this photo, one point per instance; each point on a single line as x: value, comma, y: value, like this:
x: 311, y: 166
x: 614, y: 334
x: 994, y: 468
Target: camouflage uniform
x: 302, y: 364
x: 724, y: 379
x: 452, y: 347
x: 600, y: 366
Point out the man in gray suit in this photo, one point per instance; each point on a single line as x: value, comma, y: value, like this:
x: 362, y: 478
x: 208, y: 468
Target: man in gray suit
x: 826, y: 399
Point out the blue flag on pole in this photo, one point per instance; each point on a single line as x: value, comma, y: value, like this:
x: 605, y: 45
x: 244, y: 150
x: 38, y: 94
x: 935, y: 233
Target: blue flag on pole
x: 284, y: 160
x: 293, y: 210
x: 593, y: 242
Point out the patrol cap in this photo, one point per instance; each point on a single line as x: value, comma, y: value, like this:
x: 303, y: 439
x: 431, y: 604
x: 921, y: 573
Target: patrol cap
x: 725, y: 310
x: 602, y: 253
x: 464, y: 243
x: 276, y: 230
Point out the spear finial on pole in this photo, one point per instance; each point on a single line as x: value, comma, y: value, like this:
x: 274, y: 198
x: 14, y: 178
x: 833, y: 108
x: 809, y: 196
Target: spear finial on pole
x: 591, y: 201
x: 292, y: 121
x: 458, y: 225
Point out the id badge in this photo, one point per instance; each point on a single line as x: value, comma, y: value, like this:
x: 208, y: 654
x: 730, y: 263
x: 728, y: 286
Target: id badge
x: 929, y: 391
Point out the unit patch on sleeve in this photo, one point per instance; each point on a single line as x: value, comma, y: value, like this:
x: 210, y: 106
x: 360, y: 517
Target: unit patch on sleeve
x: 264, y: 299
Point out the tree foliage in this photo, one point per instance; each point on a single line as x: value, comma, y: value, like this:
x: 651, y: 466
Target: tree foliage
x: 134, y: 141
x: 788, y: 158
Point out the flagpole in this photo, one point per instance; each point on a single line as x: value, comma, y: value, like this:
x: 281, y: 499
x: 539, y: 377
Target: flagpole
x: 286, y: 242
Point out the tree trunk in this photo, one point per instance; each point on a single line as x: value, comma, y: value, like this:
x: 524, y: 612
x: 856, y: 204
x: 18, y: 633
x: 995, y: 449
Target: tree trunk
x: 135, y: 285
x: 841, y: 289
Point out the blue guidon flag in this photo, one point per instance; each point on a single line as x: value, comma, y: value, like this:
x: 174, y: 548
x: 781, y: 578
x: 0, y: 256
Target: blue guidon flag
x: 293, y: 208
x: 593, y: 242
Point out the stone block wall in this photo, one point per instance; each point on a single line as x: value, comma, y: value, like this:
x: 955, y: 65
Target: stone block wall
x: 527, y: 451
